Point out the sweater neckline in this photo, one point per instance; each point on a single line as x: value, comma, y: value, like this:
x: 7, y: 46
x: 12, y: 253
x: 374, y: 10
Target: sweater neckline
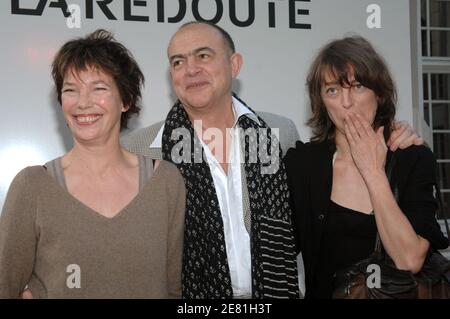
x: 64, y: 191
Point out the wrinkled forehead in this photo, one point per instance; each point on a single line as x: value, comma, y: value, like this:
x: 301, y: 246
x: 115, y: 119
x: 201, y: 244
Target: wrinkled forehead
x: 194, y: 36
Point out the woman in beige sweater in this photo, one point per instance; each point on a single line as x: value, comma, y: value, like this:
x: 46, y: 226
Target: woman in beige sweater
x: 98, y: 222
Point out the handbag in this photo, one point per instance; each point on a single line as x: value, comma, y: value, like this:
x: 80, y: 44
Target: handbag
x: 376, y: 277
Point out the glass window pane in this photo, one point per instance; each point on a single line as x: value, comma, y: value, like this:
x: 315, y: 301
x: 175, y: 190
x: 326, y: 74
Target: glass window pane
x: 440, y: 86
x: 425, y: 86
x: 441, y: 116
x: 439, y: 13
x: 441, y: 145
x: 426, y: 112
x: 440, y: 43
x: 444, y: 175
x: 424, y: 43
x: 423, y: 13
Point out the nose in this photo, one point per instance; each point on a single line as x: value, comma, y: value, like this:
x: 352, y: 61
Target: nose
x: 84, y: 100
x: 192, y: 67
x: 347, y: 99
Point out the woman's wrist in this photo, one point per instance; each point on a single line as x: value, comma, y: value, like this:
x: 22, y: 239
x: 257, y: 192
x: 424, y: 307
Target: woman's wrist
x: 375, y: 178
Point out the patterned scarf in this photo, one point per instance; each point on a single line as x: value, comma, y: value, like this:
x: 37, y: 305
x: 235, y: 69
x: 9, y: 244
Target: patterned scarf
x: 205, y: 267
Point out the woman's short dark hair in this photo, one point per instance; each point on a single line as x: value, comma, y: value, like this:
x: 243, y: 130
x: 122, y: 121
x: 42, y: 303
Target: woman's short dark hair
x: 340, y: 57
x: 100, y: 50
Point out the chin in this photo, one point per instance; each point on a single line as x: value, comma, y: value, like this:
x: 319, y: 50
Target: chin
x: 197, y: 105
x: 85, y: 140
x: 85, y: 136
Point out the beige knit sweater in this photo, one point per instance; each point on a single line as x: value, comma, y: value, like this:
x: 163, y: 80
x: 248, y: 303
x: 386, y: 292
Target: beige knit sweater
x: 63, y: 249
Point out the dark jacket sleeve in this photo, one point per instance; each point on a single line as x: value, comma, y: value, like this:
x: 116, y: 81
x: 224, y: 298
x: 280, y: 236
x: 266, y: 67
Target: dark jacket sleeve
x: 416, y: 168
x: 293, y: 162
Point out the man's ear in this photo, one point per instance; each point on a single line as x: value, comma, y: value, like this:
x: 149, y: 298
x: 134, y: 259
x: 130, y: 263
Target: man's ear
x: 236, y: 64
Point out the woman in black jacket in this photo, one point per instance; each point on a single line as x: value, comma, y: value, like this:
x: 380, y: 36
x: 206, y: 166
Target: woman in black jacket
x: 340, y: 193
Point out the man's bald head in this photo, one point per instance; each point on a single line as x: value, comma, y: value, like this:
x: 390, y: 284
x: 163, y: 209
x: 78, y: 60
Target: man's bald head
x: 227, y: 40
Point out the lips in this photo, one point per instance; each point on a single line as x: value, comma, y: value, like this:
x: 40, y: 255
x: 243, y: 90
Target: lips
x: 196, y: 85
x: 86, y: 119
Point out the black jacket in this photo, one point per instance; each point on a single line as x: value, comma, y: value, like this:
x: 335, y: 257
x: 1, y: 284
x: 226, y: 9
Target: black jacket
x: 310, y: 173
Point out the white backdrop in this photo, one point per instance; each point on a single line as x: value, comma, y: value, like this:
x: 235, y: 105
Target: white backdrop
x: 276, y: 59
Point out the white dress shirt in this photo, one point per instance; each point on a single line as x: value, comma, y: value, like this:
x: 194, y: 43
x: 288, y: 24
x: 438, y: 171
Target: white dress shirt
x: 229, y: 194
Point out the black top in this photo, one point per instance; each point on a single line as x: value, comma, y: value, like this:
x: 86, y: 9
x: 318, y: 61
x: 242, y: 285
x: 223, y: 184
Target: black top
x: 310, y: 174
x: 348, y: 236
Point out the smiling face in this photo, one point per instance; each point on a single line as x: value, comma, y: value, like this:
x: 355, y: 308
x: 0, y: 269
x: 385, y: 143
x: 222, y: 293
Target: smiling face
x: 92, y: 105
x: 341, y: 99
x: 202, y: 67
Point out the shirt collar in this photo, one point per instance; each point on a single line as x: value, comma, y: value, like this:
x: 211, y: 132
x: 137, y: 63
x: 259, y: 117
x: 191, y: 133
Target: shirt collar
x: 157, y: 142
x: 239, y: 109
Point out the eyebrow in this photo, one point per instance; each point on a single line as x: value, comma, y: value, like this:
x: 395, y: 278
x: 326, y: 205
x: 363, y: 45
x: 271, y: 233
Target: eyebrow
x: 100, y: 82
x: 193, y: 52
x: 338, y: 82
x: 94, y: 82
